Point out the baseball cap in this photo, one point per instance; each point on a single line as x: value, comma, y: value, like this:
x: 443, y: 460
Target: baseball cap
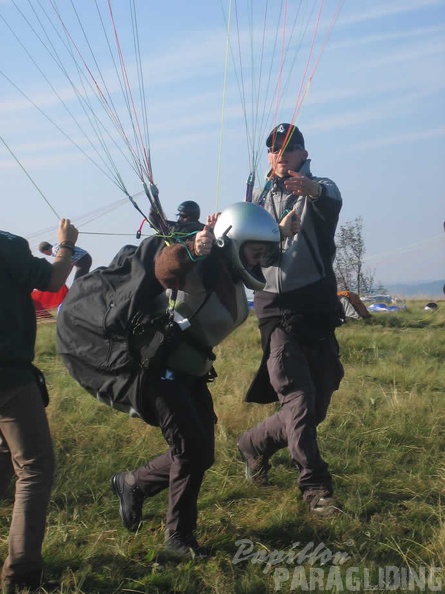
x: 280, y: 132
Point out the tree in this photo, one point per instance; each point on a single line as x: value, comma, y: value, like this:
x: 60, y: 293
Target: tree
x: 349, y: 263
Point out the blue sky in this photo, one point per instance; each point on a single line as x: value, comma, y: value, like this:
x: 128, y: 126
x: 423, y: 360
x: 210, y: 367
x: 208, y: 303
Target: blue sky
x: 373, y: 117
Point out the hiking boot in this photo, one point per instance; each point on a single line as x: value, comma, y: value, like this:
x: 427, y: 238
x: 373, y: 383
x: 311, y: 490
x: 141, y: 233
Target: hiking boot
x: 321, y: 502
x: 256, y: 469
x: 182, y: 546
x: 131, y: 499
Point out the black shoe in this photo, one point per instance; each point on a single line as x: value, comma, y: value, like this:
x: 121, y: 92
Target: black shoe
x: 256, y: 469
x: 321, y: 502
x: 131, y: 500
x: 183, y: 546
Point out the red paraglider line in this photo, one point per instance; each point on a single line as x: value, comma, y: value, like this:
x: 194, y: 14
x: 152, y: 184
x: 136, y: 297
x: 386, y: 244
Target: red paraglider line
x: 317, y: 61
x: 300, y: 97
x: 111, y: 113
x: 127, y: 84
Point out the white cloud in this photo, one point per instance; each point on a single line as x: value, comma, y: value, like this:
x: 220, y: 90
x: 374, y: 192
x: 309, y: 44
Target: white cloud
x: 400, y: 138
x: 386, y: 9
x: 382, y: 38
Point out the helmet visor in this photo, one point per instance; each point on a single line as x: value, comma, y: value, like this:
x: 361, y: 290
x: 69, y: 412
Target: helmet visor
x: 258, y: 253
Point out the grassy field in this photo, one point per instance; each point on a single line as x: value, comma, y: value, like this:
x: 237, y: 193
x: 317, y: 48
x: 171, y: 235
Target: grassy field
x: 384, y: 439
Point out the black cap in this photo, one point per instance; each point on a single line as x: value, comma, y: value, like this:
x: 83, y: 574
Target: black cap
x: 278, y: 134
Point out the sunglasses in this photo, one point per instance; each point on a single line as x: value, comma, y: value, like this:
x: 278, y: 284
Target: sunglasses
x: 287, y: 149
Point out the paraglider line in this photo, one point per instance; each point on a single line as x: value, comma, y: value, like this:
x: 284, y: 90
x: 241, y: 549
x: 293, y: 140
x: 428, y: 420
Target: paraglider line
x: 30, y: 178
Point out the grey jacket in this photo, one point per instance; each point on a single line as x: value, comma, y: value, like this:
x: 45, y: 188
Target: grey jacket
x: 302, y: 279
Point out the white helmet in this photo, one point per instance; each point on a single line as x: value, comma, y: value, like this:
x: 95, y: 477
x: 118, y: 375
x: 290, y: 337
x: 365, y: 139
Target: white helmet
x: 242, y: 222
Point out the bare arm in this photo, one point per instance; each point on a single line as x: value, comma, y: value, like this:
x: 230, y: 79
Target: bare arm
x: 62, y: 265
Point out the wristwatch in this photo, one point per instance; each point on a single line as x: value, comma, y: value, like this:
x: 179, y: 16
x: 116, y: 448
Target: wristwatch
x: 320, y: 191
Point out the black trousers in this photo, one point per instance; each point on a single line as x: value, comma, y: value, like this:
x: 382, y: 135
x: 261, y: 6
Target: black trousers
x: 183, y: 409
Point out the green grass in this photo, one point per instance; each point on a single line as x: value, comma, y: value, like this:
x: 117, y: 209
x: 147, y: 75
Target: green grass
x: 383, y: 438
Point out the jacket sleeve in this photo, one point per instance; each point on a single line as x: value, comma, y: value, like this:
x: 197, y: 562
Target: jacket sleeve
x: 173, y: 264
x: 27, y: 271
x: 329, y: 204
x: 330, y: 188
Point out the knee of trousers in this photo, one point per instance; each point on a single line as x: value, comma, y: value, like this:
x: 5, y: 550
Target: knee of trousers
x: 39, y: 470
x: 197, y: 459
x: 298, y: 411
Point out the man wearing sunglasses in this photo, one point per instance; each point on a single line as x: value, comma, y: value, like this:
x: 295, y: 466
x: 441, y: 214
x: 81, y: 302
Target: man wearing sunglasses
x: 298, y: 311
x: 188, y: 212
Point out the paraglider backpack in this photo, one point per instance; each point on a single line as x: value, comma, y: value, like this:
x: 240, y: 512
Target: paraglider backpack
x: 106, y: 333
